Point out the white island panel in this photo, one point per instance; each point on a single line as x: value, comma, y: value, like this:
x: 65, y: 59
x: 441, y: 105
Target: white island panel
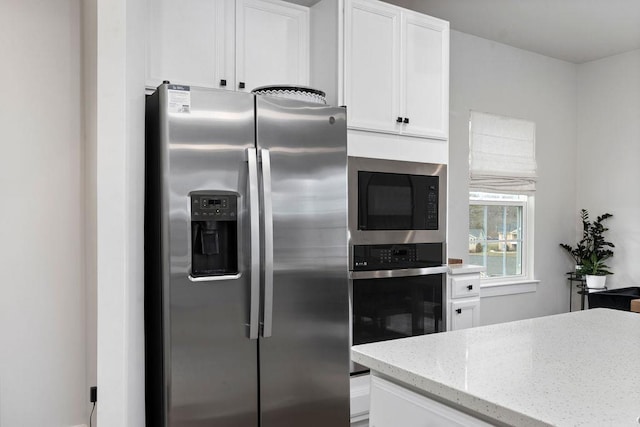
x: 577, y: 368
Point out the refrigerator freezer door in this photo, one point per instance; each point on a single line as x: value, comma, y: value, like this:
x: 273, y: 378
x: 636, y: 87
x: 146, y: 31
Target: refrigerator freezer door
x: 211, y: 364
x: 254, y: 220
x: 304, y: 364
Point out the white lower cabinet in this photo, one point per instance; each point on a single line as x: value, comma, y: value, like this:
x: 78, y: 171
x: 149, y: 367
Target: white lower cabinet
x: 393, y: 405
x: 360, y: 391
x: 362, y: 423
x: 463, y: 297
x: 465, y: 314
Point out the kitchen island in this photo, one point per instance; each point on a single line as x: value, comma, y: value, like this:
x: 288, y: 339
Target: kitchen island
x: 570, y: 369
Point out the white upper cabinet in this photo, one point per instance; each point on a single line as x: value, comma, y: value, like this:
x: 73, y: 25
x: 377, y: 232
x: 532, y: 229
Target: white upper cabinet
x: 230, y: 44
x: 396, y: 70
x: 372, y: 59
x: 191, y: 42
x: 424, y: 94
x: 272, y: 44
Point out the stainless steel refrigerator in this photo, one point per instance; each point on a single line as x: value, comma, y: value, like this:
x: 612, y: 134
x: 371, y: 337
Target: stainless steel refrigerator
x: 246, y: 288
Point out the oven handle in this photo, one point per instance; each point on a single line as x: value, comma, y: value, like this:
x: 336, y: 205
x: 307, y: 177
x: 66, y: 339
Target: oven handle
x: 405, y: 272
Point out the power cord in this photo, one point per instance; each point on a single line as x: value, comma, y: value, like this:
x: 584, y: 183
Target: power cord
x: 91, y: 415
x: 93, y: 397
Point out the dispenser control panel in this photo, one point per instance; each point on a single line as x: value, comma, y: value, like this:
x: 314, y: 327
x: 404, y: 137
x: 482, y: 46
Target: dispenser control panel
x: 214, y: 233
x: 214, y: 207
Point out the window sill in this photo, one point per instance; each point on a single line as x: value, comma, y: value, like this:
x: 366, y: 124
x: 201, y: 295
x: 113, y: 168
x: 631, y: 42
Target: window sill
x: 513, y: 287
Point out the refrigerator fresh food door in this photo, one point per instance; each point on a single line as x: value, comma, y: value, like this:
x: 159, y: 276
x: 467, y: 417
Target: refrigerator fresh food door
x: 211, y: 366
x: 304, y: 350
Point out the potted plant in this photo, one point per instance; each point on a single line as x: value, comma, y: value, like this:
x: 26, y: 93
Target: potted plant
x: 581, y: 250
x: 592, y: 242
x: 595, y: 270
x: 596, y: 242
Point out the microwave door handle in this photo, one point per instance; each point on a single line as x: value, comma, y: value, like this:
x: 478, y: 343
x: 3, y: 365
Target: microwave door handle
x: 362, y: 186
x: 414, y: 197
x: 254, y: 217
x: 267, y: 326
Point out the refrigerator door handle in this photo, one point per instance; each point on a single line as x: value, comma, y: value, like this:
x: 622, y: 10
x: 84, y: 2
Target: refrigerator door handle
x: 254, y: 215
x: 267, y: 325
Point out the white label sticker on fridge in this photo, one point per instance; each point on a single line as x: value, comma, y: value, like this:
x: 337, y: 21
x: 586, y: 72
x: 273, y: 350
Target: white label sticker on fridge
x: 179, y: 99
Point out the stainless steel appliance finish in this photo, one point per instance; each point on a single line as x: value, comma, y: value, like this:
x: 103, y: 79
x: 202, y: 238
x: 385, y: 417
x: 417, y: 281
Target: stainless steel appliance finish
x: 405, y: 272
x: 401, y: 296
x: 266, y: 345
x: 405, y: 299
x: 304, y: 362
x: 369, y: 237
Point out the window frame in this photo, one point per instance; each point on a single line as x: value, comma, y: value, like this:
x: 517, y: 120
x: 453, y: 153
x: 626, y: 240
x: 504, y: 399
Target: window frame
x: 526, y: 273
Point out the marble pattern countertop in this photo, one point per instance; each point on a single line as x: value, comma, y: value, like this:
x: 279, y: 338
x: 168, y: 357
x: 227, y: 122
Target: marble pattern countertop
x: 572, y: 369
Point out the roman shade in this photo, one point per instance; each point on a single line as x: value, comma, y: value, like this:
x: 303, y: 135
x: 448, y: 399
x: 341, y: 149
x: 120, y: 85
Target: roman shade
x: 502, y: 154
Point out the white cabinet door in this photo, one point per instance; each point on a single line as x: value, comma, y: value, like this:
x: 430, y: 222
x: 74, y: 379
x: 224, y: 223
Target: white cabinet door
x: 425, y: 79
x: 465, y: 314
x: 372, y: 65
x: 396, y: 70
x: 190, y: 42
x: 272, y: 44
x: 393, y: 405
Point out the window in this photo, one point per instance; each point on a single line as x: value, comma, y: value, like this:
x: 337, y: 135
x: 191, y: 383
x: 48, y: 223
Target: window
x: 502, y: 169
x: 497, y: 233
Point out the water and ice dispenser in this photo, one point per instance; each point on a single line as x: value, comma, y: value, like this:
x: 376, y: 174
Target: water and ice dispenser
x: 214, y: 233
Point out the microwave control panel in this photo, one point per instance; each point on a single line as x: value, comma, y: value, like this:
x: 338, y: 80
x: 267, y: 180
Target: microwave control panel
x: 432, y: 206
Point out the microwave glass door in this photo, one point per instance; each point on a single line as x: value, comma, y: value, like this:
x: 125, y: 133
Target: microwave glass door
x: 389, y: 308
x: 393, y: 201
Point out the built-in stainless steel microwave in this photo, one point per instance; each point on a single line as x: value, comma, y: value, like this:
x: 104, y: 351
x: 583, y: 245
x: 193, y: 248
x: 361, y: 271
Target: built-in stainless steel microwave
x: 396, y: 202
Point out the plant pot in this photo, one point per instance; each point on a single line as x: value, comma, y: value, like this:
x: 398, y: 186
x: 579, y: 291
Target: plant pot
x: 595, y: 282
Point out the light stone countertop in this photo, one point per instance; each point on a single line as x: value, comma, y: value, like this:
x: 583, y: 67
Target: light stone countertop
x: 465, y: 268
x: 573, y: 369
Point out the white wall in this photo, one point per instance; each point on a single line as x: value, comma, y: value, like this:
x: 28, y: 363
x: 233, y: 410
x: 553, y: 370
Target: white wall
x: 119, y: 177
x: 89, y: 85
x: 609, y: 153
x: 325, y: 50
x: 491, y: 77
x: 42, y: 295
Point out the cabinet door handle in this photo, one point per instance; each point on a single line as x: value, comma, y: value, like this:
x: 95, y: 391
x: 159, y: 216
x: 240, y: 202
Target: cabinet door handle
x: 241, y: 85
x: 223, y: 83
x: 470, y: 287
x: 399, y: 120
x: 459, y: 311
x: 406, y: 120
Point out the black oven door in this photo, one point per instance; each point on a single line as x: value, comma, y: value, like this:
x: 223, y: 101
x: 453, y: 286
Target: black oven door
x: 396, y: 201
x: 396, y: 307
